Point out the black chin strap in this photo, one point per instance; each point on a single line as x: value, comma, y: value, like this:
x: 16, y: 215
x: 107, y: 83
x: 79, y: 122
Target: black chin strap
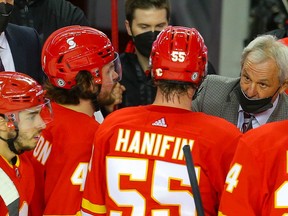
x: 10, y: 143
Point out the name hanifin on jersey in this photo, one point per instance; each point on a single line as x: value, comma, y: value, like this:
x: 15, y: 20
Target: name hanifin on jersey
x: 153, y: 144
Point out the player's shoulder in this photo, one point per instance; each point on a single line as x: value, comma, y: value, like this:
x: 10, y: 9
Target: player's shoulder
x: 272, y: 128
x: 212, y: 121
x: 63, y: 117
x: 128, y: 116
x: 213, y: 126
x: 268, y: 136
x: 126, y: 112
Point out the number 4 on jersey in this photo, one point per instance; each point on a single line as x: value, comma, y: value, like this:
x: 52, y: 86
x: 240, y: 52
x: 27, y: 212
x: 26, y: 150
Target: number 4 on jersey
x: 79, y: 175
x: 232, y: 177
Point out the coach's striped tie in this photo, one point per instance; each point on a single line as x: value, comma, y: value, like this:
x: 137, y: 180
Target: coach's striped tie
x: 247, y: 124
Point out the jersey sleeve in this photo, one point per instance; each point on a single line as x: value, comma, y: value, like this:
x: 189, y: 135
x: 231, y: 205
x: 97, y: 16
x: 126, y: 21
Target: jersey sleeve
x: 243, y: 183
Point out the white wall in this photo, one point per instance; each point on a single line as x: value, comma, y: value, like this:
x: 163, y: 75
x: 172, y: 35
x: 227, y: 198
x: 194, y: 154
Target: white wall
x: 235, y: 21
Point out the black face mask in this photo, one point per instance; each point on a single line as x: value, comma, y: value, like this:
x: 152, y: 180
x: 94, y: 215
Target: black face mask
x: 144, y: 41
x: 256, y: 105
x: 5, y: 11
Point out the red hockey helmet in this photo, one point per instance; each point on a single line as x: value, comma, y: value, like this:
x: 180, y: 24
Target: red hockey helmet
x: 19, y: 92
x: 74, y: 48
x: 179, y: 54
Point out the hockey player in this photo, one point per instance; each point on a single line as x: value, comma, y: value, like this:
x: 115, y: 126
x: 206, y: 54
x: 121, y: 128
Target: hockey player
x: 138, y: 167
x: 257, y: 183
x: 24, y: 113
x: 78, y: 61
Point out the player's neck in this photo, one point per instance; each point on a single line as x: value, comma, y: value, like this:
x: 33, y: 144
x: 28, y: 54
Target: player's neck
x: 85, y: 106
x: 183, y: 102
x: 6, y: 153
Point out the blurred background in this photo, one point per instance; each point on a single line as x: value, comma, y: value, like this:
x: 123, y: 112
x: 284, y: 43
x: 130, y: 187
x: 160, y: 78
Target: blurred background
x: 226, y: 25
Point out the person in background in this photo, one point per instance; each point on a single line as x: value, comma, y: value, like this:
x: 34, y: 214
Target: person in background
x: 258, y: 96
x: 138, y: 167
x: 46, y: 16
x: 144, y: 20
x: 257, y: 183
x: 20, y: 46
x: 82, y: 69
x: 24, y: 113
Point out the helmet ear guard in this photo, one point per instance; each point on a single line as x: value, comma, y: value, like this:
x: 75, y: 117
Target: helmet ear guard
x: 11, y: 125
x: 179, y: 54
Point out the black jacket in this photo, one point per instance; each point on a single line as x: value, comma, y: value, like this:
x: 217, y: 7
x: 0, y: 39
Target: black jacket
x: 26, y: 50
x: 46, y: 16
x: 139, y: 87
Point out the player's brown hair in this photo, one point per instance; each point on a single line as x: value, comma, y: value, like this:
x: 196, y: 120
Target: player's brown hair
x: 84, y: 89
x: 175, y: 88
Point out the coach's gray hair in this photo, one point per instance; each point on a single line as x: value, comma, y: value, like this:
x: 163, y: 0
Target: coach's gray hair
x: 268, y: 47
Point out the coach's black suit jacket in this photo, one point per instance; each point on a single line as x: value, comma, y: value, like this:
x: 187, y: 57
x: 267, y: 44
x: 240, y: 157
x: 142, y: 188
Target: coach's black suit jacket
x: 26, y: 50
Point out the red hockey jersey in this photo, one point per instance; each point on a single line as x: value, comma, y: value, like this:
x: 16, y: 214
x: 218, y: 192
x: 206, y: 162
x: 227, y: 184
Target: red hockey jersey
x: 61, y: 160
x: 257, y: 183
x: 16, y: 186
x: 138, y: 166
